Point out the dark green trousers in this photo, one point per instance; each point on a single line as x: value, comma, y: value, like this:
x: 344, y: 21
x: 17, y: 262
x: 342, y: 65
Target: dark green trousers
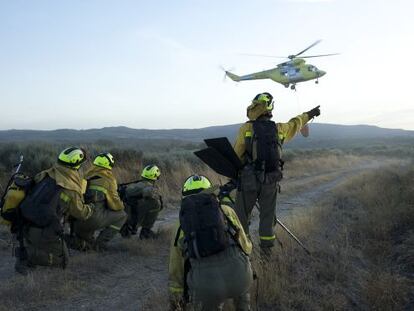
x: 261, y: 190
x: 143, y: 215
x: 109, y: 223
x: 214, y: 279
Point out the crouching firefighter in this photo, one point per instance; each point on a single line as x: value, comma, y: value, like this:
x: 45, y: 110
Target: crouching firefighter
x: 109, y: 215
x: 57, y: 194
x: 209, y: 260
x: 258, y: 145
x: 143, y: 203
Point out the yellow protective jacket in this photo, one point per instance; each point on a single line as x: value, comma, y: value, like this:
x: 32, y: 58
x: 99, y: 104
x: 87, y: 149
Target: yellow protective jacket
x: 177, y: 257
x: 106, y: 183
x: 286, y: 131
x: 73, y: 188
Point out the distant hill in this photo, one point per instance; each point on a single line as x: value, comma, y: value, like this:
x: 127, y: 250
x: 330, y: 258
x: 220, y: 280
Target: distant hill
x: 322, y: 135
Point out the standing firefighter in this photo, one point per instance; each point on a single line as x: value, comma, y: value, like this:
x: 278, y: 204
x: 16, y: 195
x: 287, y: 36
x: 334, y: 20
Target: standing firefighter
x: 109, y: 215
x: 57, y: 193
x: 209, y: 260
x: 143, y: 203
x: 258, y: 145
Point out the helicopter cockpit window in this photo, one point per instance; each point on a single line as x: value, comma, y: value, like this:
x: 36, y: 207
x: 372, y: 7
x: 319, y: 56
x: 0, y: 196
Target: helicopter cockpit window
x: 312, y: 68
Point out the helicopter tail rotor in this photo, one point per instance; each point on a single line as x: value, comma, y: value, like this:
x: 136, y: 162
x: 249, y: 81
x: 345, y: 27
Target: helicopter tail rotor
x: 227, y: 73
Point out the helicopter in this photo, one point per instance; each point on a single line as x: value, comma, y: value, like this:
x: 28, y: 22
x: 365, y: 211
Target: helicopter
x: 288, y: 73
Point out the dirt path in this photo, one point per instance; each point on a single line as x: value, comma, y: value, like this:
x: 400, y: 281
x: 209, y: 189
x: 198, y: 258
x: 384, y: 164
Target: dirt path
x: 305, y: 191
x: 133, y: 274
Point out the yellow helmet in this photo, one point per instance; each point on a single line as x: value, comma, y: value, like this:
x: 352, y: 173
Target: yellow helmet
x: 105, y: 160
x: 261, y: 104
x: 151, y: 172
x: 195, y: 184
x: 72, y: 157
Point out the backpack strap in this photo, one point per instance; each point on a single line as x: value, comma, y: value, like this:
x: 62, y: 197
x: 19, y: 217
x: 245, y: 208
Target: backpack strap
x: 95, y: 193
x: 248, y: 142
x: 231, y: 228
x: 177, y: 236
x: 187, y: 268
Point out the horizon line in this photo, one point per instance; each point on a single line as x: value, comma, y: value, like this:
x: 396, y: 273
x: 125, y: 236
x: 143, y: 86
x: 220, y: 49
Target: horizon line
x: 178, y: 128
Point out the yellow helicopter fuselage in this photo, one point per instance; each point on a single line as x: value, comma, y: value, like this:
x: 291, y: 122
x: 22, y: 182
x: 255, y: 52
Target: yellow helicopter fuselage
x: 287, y: 73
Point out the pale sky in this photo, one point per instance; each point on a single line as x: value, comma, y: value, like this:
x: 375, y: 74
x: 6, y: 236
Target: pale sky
x: 156, y: 64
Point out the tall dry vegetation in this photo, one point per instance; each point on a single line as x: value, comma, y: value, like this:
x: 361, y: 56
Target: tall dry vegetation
x: 176, y: 163
x: 362, y: 247
x: 176, y: 160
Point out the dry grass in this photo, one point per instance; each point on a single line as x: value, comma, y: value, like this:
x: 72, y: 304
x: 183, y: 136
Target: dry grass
x: 31, y: 293
x: 146, y: 247
x: 308, y: 165
x: 176, y: 163
x: 362, y: 251
x: 127, y: 276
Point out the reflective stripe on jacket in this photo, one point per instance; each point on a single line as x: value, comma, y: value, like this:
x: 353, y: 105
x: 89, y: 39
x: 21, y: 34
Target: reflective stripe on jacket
x: 106, y: 183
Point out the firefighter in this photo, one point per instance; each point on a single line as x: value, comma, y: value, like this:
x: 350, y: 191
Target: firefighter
x: 259, y: 146
x: 56, y: 195
x: 209, y: 257
x: 143, y: 203
x: 109, y: 215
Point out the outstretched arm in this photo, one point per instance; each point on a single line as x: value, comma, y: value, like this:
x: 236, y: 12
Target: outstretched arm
x: 288, y: 130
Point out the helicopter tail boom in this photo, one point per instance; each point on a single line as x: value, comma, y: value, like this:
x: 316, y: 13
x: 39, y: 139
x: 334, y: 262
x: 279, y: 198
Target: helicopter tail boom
x: 253, y: 76
x: 233, y: 76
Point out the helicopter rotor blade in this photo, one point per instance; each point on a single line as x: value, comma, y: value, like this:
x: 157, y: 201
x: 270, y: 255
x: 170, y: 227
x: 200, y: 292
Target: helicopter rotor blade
x: 309, y: 47
x: 320, y: 55
x: 261, y: 55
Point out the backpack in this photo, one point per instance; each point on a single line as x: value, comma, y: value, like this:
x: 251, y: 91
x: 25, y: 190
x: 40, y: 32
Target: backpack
x: 264, y: 147
x: 129, y: 200
x: 204, y: 225
x: 16, y: 191
x: 92, y: 194
x: 41, y: 206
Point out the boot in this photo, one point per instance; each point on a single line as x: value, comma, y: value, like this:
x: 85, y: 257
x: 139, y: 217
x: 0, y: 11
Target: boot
x: 100, y: 246
x: 127, y: 230
x: 22, y: 264
x: 146, y: 234
x: 76, y: 243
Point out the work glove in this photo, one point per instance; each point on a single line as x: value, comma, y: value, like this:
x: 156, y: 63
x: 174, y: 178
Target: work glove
x: 225, y: 190
x: 228, y: 187
x: 314, y: 112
